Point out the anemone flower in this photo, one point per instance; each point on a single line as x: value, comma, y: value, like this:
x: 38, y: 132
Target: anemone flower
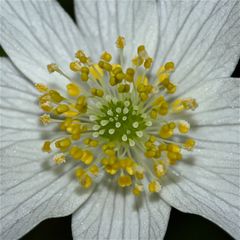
x: 117, y: 95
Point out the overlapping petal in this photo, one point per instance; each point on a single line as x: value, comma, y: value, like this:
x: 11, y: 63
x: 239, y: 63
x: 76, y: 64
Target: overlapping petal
x: 112, y: 213
x: 103, y: 21
x: 37, y: 33
x: 32, y: 188
x: 201, y: 37
x: 207, y: 181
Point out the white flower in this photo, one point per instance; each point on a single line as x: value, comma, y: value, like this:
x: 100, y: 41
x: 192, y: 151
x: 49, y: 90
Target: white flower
x: 202, y: 38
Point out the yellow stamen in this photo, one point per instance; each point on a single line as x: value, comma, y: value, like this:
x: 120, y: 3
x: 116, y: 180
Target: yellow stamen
x: 59, y: 158
x: 154, y: 187
x: 120, y: 43
x: 73, y: 90
x: 41, y: 87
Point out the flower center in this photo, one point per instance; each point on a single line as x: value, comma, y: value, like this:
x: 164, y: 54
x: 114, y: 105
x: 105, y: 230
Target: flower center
x: 120, y: 121
x: 117, y: 120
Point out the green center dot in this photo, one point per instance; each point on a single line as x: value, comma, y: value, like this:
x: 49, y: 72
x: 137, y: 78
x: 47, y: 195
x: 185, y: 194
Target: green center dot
x: 120, y: 121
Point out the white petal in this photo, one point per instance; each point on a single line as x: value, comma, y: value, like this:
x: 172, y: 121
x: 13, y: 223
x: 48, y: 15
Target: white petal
x: 112, y: 213
x: 31, y: 188
x: 201, y: 37
x: 37, y: 33
x: 217, y: 117
x: 19, y: 111
x: 208, y: 184
x: 101, y: 22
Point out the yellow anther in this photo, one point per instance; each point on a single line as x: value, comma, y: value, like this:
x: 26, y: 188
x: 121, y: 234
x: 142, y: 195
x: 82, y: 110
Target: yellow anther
x: 86, y: 181
x: 75, y: 66
x: 171, y: 88
x: 173, y: 157
x: 169, y: 66
x: 87, y: 141
x: 106, y: 57
x: 162, y: 147
x: 44, y: 98
x: 154, y: 113
x: 53, y: 68
x: 117, y: 69
x: 184, y: 104
x: 189, y: 144
x: 90, y: 142
x: 183, y: 127
x: 112, y: 168
x: 94, y: 169
x: 120, y: 43
x: 154, y: 186
x: 97, y: 92
x: 81, y: 56
x: 123, y: 88
x: 159, y: 170
x: 41, y: 87
x: 61, y: 108
x: 76, y: 152
x: 143, y: 96
x: 73, y: 90
x: 83, y: 59
x: 81, y: 104
x: 120, y: 76
x: 101, y: 64
x: 140, y: 49
x: 163, y: 108
x: 139, y: 172
x: 85, y: 70
x: 109, y: 152
x: 113, y: 81
x: 45, y: 119
x: 93, y: 143
x: 152, y: 139
x: 163, y: 78
x: 87, y: 157
x: 137, y: 61
x: 55, y: 96
x: 70, y: 114
x: 150, y: 154
x: 137, y: 190
x: 59, y: 158
x: 158, y: 101
x: 173, y: 148
x: 63, y: 144
x: 46, y: 146
x: 166, y: 131
x: 79, y: 172
x: 124, y: 181
x: 172, y: 125
x: 66, y: 123
x: 129, y: 76
x: 84, y: 77
x: 107, y: 67
x: 130, y: 71
x: 148, y: 63
x: 46, y: 106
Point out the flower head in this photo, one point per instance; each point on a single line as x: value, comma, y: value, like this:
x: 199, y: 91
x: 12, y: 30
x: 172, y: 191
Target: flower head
x: 112, y: 114
x: 172, y: 57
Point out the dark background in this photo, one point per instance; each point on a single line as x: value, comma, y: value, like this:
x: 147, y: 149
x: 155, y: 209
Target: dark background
x: 182, y: 226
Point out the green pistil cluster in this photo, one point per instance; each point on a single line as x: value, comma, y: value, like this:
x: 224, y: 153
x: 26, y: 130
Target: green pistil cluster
x: 120, y: 121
